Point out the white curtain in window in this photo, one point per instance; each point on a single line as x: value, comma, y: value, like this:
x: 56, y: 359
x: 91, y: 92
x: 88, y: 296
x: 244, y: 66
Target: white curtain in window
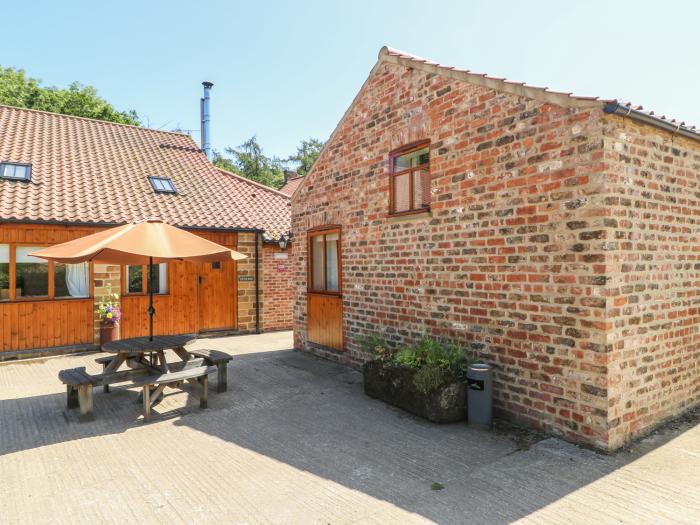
x: 163, y: 278
x: 332, y: 261
x: 78, y: 279
x: 402, y: 192
x: 4, y: 253
x: 317, y: 282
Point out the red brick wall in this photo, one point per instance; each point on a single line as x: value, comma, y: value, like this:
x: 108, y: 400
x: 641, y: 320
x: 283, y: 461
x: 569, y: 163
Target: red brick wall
x: 511, y: 259
x: 653, y: 276
x: 277, y: 288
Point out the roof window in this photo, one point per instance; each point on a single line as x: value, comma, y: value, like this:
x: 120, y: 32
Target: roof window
x: 14, y: 171
x: 162, y: 185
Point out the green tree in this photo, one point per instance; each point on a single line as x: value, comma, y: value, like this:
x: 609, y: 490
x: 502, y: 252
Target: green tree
x: 225, y: 163
x: 307, y: 153
x: 249, y: 161
x: 17, y: 89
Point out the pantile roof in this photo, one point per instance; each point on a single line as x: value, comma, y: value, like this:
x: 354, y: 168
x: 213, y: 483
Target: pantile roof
x: 272, y: 208
x: 94, y: 172
x: 291, y: 185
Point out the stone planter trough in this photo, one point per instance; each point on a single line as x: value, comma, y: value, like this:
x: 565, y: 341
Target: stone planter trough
x: 394, y: 385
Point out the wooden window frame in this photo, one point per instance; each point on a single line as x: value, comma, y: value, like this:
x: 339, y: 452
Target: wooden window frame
x: 144, y: 280
x: 52, y: 284
x: 415, y: 146
x: 314, y: 233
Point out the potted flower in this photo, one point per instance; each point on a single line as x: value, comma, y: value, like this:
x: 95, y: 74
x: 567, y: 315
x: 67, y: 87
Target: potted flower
x: 109, y: 313
x: 427, y: 378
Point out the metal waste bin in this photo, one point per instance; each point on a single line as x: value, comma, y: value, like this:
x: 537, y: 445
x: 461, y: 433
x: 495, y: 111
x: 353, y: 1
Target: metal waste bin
x: 480, y: 394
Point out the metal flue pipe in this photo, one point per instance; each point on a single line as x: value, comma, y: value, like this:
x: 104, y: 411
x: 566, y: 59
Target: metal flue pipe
x: 206, y: 120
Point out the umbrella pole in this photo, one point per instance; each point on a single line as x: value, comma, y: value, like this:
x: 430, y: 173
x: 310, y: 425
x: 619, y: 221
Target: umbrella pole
x: 151, y: 310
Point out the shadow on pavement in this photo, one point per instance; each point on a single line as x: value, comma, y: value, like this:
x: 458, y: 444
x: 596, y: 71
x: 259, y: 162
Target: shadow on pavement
x: 312, y: 414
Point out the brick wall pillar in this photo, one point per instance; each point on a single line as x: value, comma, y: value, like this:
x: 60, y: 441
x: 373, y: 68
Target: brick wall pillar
x: 107, y: 277
x: 246, y: 283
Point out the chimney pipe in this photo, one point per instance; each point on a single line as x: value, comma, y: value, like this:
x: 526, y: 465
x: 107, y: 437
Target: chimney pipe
x: 205, y: 108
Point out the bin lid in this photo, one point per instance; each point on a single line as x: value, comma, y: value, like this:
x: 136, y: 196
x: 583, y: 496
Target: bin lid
x: 480, y: 367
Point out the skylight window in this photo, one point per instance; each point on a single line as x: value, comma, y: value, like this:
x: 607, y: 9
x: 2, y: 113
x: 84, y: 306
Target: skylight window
x: 162, y: 185
x: 13, y: 171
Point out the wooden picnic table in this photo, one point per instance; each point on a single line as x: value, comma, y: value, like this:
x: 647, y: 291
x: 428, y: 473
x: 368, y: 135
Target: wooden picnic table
x: 153, y: 375
x: 133, y: 352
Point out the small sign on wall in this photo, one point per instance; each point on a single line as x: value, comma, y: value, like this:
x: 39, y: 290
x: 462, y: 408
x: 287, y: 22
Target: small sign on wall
x: 281, y: 267
x: 246, y: 278
x: 281, y: 255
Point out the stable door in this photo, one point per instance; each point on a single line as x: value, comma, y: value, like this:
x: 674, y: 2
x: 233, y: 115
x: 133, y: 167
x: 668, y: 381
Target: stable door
x: 325, y: 298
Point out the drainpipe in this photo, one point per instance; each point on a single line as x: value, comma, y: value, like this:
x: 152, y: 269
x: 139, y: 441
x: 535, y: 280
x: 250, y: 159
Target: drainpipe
x: 205, y: 107
x: 628, y: 111
x: 257, y: 283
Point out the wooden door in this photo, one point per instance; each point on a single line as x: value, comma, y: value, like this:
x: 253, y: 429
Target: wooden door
x: 325, y: 298
x: 217, y: 295
x: 326, y: 321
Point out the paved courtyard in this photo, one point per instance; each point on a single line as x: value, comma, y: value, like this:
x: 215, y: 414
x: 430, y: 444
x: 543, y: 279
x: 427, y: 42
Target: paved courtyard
x: 295, y: 441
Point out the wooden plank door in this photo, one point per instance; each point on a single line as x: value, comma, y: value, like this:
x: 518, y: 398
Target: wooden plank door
x: 217, y: 295
x: 326, y: 321
x: 325, y: 298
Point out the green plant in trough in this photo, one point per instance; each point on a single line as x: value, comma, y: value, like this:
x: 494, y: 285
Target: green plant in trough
x: 376, y: 345
x: 437, y: 361
x: 439, y: 353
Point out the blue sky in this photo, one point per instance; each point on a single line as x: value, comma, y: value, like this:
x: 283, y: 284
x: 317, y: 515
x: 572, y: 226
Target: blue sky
x: 288, y: 70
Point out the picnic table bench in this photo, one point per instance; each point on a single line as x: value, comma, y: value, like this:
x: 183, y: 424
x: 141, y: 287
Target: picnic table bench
x: 153, y: 376
x: 220, y: 361
x: 211, y: 357
x: 79, y: 385
x: 200, y: 373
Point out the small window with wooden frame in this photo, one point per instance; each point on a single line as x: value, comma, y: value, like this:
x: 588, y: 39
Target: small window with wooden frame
x: 409, y: 188
x: 324, y: 261
x: 136, y: 279
x: 25, y: 277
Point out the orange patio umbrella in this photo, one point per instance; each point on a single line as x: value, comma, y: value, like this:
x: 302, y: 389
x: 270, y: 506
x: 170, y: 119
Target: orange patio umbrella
x: 148, y: 242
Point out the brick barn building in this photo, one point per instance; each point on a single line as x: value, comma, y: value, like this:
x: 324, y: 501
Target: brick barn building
x: 63, y: 177
x: 557, y: 235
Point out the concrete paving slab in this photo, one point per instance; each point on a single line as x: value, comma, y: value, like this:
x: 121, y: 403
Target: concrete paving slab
x: 295, y: 441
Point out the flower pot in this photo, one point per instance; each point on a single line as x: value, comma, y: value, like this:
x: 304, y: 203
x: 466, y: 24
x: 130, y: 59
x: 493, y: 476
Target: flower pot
x: 108, y: 332
x: 394, y: 385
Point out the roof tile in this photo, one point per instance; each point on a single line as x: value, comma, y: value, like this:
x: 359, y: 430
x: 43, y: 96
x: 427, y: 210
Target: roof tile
x: 90, y: 171
x: 292, y: 184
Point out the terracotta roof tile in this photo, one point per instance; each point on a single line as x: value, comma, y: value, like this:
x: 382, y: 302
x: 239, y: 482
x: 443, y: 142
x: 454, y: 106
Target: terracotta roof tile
x: 663, y: 118
x: 90, y: 171
x: 292, y: 184
x: 272, y: 208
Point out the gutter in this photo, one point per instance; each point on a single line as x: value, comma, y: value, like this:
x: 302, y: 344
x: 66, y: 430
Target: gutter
x: 113, y: 224
x: 614, y: 108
